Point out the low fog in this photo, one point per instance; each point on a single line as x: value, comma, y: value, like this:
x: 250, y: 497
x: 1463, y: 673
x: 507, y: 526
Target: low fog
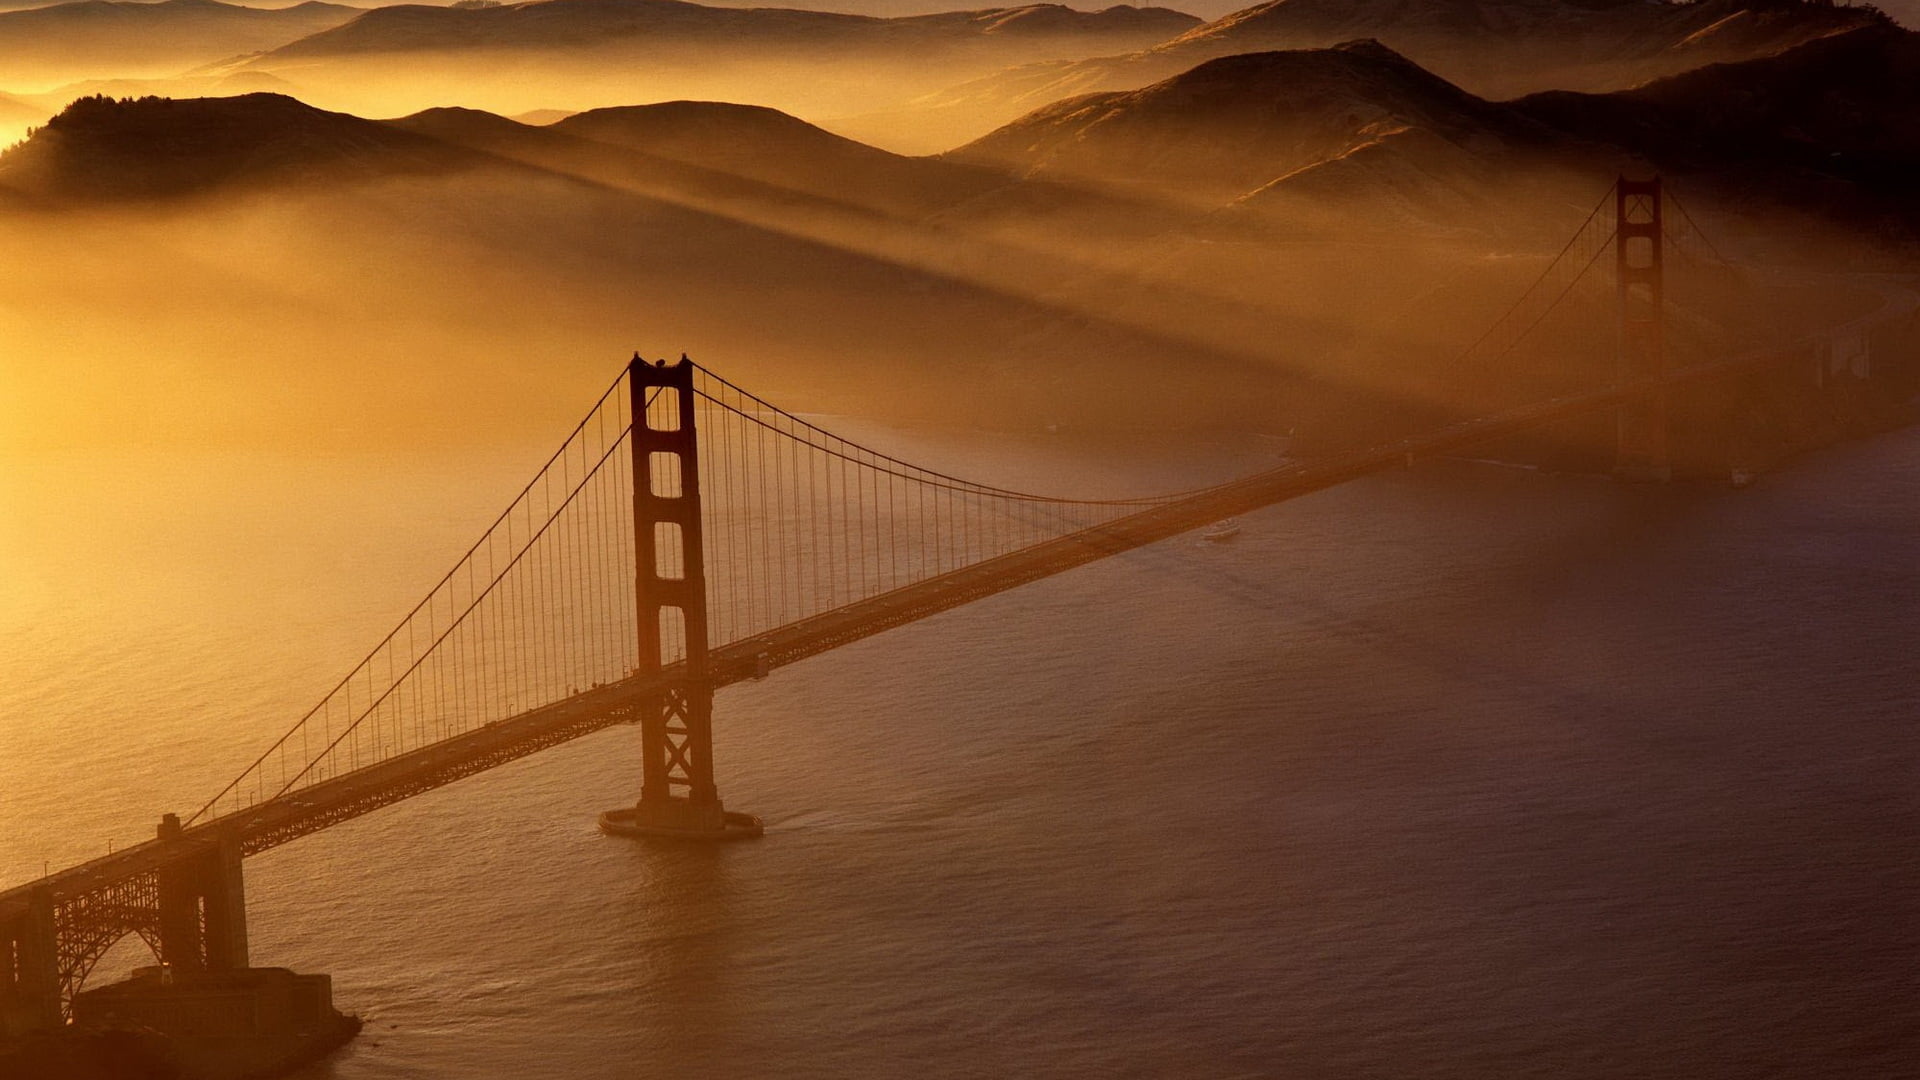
x: 1309, y: 242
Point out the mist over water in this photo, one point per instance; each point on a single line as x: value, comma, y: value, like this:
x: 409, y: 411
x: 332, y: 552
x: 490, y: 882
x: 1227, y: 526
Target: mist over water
x: 1445, y: 773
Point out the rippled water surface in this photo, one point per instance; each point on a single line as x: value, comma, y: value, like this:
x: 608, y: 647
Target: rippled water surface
x: 1461, y: 772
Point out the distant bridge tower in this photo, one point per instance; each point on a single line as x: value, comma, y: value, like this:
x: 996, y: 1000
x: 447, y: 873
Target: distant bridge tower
x: 1640, y: 273
x: 678, y: 797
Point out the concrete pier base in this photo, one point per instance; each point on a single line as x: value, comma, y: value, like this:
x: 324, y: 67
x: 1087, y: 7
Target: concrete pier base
x: 680, y: 819
x: 240, y: 1024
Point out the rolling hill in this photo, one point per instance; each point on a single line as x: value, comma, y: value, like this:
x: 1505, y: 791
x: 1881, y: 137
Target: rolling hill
x: 1237, y: 124
x: 1827, y: 127
x: 155, y: 148
x: 1494, y: 48
x: 583, y: 54
x: 573, y: 24
x: 1832, y: 126
x: 97, y: 39
x: 744, y: 158
x: 327, y: 212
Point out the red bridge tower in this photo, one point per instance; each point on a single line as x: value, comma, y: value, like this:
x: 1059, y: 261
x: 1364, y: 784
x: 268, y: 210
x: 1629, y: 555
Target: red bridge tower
x: 678, y: 797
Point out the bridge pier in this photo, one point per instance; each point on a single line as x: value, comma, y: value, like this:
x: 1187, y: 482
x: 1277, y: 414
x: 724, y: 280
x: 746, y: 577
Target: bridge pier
x: 1642, y: 450
x: 29, y: 967
x: 203, y: 904
x: 678, y: 798
x: 191, y: 908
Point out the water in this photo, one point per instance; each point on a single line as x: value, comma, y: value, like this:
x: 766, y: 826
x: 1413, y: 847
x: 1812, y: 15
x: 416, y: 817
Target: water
x: 1463, y: 772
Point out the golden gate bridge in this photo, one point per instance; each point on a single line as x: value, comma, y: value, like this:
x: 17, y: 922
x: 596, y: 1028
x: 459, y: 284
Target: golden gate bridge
x: 689, y: 535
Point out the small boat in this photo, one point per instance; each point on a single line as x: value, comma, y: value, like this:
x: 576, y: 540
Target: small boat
x: 1222, y: 532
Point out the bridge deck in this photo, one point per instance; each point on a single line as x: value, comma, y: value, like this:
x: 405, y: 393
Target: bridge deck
x: 360, y: 791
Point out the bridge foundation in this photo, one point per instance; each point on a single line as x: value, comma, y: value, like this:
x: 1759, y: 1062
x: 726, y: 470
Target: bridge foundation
x: 203, y: 904
x: 678, y: 798
x: 29, y: 967
x: 191, y: 909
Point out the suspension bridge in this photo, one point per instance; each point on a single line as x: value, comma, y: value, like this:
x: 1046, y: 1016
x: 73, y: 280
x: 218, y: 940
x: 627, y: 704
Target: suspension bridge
x: 688, y: 535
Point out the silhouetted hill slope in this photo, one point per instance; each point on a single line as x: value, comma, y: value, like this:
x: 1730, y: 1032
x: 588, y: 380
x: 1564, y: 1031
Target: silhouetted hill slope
x: 1494, y: 48
x: 1831, y: 126
x: 1472, y: 41
x: 771, y: 147
x: 109, y: 38
x: 478, y: 129
x: 1236, y: 124
x: 721, y: 134
x: 583, y: 54
x: 1825, y: 124
x: 1846, y: 106
x: 718, y: 155
x: 564, y: 266
x: 100, y: 148
x: 616, y: 240
x: 576, y: 24
x: 1499, y: 48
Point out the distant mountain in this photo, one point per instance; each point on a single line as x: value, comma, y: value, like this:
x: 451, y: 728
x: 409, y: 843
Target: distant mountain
x: 582, y: 54
x: 598, y: 24
x: 1823, y: 124
x: 115, y: 39
x: 1235, y: 125
x: 99, y: 148
x: 770, y: 147
x: 1494, y: 48
x: 1831, y: 126
x: 423, y: 235
x: 1501, y: 48
x: 742, y: 159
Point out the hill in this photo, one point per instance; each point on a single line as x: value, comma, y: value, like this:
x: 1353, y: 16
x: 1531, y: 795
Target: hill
x: 100, y: 148
x: 1494, y: 48
x: 1237, y: 124
x: 1830, y: 127
x: 583, y: 54
x: 743, y: 158
x: 442, y: 252
x: 770, y: 147
x: 115, y: 39
x: 573, y: 24
x: 1500, y: 48
x: 1833, y: 124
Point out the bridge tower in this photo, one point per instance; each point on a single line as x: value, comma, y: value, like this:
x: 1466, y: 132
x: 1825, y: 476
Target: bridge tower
x: 678, y: 797
x: 1640, y: 276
